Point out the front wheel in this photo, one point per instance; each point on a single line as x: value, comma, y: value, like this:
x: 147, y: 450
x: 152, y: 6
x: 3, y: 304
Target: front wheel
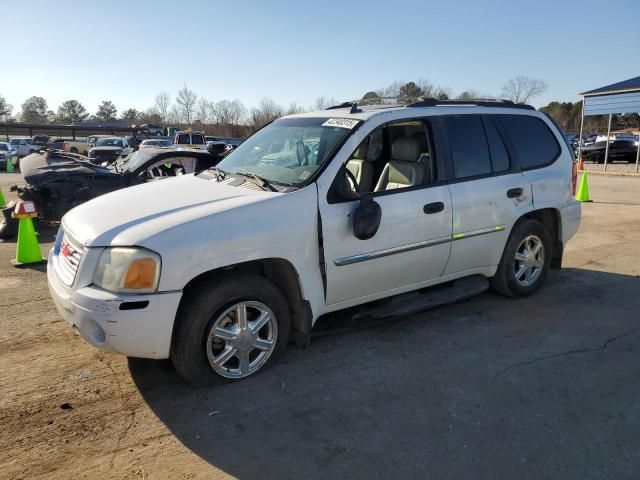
x: 229, y: 329
x: 525, y: 262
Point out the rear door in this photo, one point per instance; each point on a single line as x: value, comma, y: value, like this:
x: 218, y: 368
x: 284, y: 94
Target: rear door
x: 488, y: 191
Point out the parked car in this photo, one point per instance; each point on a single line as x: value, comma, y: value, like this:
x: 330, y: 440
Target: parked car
x: 7, y: 154
x: 619, y: 150
x: 190, y: 140
x: 219, y: 271
x: 155, y: 143
x: 216, y: 148
x: 153, y: 130
x: 70, y: 146
x: 23, y: 146
x: 57, y: 182
x: 109, y: 149
x: 92, y: 139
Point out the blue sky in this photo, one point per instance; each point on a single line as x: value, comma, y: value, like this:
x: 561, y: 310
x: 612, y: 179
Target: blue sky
x: 295, y: 51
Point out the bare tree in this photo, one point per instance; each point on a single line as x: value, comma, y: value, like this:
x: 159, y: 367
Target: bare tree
x: 237, y: 112
x: 294, y: 108
x: 521, y: 89
x: 265, y: 112
x: 323, y: 103
x: 162, y: 106
x: 186, y: 101
x: 202, y: 111
x: 173, y: 115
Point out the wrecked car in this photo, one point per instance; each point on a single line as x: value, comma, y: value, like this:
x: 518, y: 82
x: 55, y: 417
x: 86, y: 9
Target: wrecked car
x: 57, y: 181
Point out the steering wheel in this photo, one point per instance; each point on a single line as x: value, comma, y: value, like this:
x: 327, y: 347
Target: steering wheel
x: 353, y: 179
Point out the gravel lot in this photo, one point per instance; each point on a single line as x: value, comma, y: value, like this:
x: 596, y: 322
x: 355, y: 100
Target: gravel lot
x: 545, y: 387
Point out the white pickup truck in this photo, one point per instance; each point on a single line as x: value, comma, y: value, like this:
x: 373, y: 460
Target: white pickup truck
x: 315, y: 213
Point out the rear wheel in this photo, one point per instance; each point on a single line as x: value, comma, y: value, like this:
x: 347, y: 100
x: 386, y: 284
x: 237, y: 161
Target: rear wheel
x: 525, y: 261
x: 73, y: 150
x: 230, y: 329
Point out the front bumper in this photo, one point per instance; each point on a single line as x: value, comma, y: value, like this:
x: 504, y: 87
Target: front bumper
x: 98, y: 317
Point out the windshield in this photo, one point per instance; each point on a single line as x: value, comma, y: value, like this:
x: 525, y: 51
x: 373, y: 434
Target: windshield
x: 109, y: 142
x: 4, y: 146
x: 134, y: 161
x: 289, y: 150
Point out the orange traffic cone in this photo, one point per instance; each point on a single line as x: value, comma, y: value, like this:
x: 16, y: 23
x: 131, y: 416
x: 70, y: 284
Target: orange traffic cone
x: 28, y: 248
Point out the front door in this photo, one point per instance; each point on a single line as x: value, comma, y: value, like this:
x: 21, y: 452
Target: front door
x: 397, y: 163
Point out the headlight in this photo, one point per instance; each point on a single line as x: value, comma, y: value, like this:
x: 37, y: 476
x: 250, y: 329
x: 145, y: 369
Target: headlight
x: 128, y: 270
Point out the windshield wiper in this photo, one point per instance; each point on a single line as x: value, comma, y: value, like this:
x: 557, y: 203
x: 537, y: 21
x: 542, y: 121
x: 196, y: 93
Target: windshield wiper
x: 218, y: 174
x: 260, y: 181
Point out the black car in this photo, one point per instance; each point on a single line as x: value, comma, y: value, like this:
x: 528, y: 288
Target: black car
x: 619, y: 150
x: 58, y: 181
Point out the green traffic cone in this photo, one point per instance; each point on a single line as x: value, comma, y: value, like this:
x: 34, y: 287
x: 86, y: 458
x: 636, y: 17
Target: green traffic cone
x: 28, y: 251
x: 9, y: 165
x: 2, y: 202
x: 583, y: 189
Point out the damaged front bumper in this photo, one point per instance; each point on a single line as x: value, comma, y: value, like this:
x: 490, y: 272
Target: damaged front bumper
x: 132, y: 325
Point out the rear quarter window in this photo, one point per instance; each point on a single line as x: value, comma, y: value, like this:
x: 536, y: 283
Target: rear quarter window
x: 533, y: 142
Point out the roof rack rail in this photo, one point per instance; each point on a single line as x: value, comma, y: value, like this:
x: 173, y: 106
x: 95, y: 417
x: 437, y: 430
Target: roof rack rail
x: 481, y: 102
x: 352, y: 105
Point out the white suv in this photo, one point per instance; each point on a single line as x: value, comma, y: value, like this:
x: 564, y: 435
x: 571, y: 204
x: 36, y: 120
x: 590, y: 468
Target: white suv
x: 314, y: 213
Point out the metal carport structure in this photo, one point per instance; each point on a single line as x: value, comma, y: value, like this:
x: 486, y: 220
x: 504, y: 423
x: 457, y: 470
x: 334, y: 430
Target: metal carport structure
x: 620, y: 97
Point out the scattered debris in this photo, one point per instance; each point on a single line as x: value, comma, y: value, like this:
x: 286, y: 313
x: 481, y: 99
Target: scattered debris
x: 215, y: 412
x: 82, y: 374
x: 66, y: 406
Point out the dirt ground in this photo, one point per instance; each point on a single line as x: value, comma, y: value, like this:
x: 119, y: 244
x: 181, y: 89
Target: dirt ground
x: 544, y: 387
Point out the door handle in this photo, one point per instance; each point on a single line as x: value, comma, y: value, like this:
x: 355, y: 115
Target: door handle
x: 434, y: 207
x: 514, y: 192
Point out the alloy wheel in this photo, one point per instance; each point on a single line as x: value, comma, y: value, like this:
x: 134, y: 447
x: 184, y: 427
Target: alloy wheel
x: 241, y: 339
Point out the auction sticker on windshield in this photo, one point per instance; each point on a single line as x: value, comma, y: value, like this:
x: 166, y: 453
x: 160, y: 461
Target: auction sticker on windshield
x: 340, y: 123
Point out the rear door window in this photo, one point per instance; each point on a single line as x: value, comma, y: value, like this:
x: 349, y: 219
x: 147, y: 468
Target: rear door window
x: 499, y: 156
x: 183, y: 139
x: 468, y: 146
x: 533, y: 142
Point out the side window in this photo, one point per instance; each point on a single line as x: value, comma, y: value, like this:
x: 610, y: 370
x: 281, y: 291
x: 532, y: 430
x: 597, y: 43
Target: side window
x: 397, y: 156
x: 197, y: 139
x: 468, y: 145
x: 499, y: 156
x: 533, y: 142
x: 167, y: 167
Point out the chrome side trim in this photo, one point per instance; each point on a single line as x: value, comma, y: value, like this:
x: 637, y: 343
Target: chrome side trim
x: 475, y: 233
x: 363, y: 257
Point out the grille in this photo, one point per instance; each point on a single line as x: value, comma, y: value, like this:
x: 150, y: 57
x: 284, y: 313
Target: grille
x: 69, y: 255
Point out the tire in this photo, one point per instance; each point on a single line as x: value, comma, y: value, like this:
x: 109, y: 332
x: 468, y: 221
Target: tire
x: 195, y: 348
x: 73, y: 150
x: 505, y: 280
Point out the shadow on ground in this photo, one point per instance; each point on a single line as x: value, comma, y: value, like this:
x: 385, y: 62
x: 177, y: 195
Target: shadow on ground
x: 490, y: 388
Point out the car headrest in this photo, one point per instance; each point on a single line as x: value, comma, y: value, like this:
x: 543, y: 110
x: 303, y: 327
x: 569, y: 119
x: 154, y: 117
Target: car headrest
x: 405, y: 149
x: 361, y: 151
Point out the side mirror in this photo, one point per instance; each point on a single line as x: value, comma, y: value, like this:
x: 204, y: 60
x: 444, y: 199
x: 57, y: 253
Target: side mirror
x: 366, y: 217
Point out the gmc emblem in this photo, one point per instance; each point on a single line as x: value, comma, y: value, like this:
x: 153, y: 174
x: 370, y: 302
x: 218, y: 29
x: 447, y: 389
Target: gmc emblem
x: 66, y: 250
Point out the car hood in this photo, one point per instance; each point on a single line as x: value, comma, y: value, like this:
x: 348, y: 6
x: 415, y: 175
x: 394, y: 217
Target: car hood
x: 41, y: 168
x: 132, y: 215
x: 107, y: 149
